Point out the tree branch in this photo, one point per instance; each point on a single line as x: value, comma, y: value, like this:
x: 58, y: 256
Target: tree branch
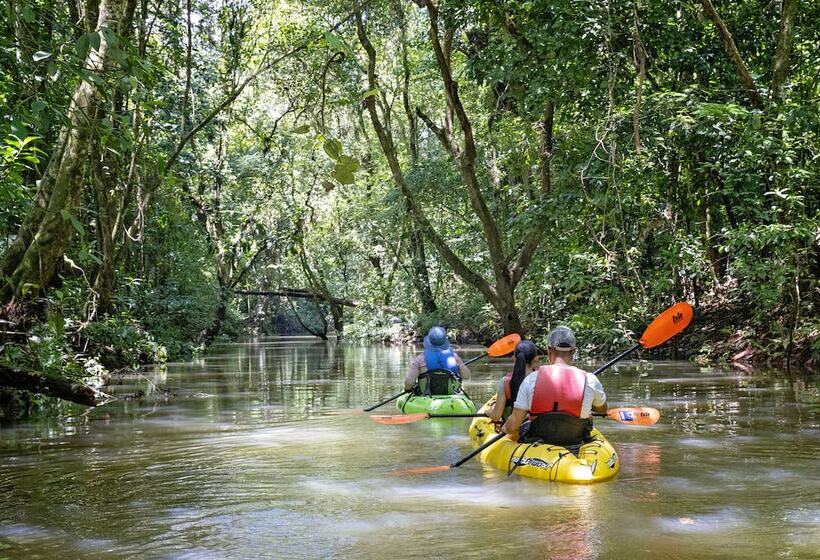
x: 731, y: 49
x: 535, y: 234
x: 467, y: 161
x: 296, y: 293
x: 443, y: 135
x: 249, y: 265
x: 263, y: 66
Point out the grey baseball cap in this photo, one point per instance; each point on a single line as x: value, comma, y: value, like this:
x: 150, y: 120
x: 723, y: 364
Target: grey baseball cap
x: 561, y: 338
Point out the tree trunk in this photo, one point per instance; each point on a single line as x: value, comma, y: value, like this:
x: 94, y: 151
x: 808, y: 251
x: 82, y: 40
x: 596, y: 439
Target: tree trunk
x: 639, y: 54
x: 506, y: 278
x: 104, y: 281
x: 215, y: 328
x: 388, y: 148
x: 37, y: 382
x: 784, y: 43
x: 504, y: 304
x: 223, y: 274
x: 421, y: 275
x: 34, y: 269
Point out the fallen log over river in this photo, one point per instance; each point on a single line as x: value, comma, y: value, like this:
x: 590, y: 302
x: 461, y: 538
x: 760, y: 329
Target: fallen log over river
x: 38, y: 382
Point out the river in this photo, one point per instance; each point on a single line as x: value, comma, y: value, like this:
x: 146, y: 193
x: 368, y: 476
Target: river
x: 261, y: 453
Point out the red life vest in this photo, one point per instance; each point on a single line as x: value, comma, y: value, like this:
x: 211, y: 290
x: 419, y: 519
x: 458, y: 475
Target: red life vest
x: 558, y: 389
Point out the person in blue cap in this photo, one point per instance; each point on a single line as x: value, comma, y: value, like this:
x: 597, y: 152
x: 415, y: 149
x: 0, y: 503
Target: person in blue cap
x: 437, y: 356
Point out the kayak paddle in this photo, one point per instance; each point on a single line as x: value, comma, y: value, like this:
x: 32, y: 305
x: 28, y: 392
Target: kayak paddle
x: 394, y: 397
x: 441, y: 468
x: 666, y: 325
x: 500, y: 347
x: 396, y: 419
x: 634, y: 415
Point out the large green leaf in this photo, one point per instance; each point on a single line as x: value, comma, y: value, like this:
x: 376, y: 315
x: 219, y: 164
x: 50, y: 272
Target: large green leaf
x: 334, y: 42
x: 349, y: 163
x: 69, y: 217
x: 343, y: 175
x: 333, y: 148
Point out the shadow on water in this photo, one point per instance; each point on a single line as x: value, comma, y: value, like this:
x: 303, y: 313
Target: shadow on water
x: 262, y: 453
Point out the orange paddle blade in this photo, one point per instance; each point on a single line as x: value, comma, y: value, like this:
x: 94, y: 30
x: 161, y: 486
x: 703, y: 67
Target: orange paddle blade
x: 667, y: 324
x: 395, y: 419
x: 420, y: 470
x: 504, y: 346
x: 637, y: 415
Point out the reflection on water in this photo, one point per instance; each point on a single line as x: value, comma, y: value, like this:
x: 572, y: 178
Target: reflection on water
x: 261, y: 453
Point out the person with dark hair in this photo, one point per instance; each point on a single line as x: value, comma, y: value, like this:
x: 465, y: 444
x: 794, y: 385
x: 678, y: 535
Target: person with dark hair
x: 558, y: 399
x: 526, y: 360
x: 438, y: 357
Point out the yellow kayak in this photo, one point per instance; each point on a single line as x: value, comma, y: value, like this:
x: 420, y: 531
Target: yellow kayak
x: 595, y: 462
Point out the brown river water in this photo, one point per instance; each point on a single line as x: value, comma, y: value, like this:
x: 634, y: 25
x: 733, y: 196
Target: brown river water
x: 261, y: 454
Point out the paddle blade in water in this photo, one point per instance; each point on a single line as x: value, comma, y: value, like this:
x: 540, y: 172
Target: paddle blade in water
x: 395, y: 419
x: 504, y: 346
x: 637, y: 415
x: 420, y: 470
x: 667, y: 324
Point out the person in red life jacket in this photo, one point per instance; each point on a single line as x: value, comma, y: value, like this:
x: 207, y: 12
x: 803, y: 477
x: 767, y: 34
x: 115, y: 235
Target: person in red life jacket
x: 437, y: 357
x: 526, y: 360
x: 558, y: 399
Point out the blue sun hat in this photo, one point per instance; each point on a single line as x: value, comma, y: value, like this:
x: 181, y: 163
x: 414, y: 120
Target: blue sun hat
x: 436, y: 340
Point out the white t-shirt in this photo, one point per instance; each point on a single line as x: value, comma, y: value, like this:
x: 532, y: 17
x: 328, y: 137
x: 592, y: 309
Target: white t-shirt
x: 593, y: 394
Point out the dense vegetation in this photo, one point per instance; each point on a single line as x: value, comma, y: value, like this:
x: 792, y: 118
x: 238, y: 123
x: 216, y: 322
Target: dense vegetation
x: 375, y: 168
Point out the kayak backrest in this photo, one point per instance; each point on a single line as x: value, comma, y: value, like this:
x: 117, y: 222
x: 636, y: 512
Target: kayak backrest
x: 558, y: 428
x: 438, y: 382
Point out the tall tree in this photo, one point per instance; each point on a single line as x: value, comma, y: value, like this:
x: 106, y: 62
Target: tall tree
x: 29, y: 263
x: 507, y: 269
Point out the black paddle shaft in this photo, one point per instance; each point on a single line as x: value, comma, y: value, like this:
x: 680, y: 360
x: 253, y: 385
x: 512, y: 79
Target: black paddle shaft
x: 471, y: 360
x: 385, y: 401
x: 477, y: 451
x: 617, y: 358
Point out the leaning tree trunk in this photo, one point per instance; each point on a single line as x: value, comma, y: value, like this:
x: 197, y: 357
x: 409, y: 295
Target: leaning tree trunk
x: 42, y: 242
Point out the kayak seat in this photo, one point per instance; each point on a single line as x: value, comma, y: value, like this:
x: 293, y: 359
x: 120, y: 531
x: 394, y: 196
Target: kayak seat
x: 559, y: 428
x: 438, y: 382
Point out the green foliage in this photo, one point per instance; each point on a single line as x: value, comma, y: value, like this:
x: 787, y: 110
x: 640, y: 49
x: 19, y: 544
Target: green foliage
x: 287, y: 185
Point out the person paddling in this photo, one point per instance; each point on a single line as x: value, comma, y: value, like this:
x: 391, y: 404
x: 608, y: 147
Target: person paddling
x: 526, y: 360
x: 438, y: 370
x: 558, y: 399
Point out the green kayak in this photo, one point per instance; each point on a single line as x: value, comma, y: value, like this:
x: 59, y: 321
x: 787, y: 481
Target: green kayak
x: 436, y: 404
